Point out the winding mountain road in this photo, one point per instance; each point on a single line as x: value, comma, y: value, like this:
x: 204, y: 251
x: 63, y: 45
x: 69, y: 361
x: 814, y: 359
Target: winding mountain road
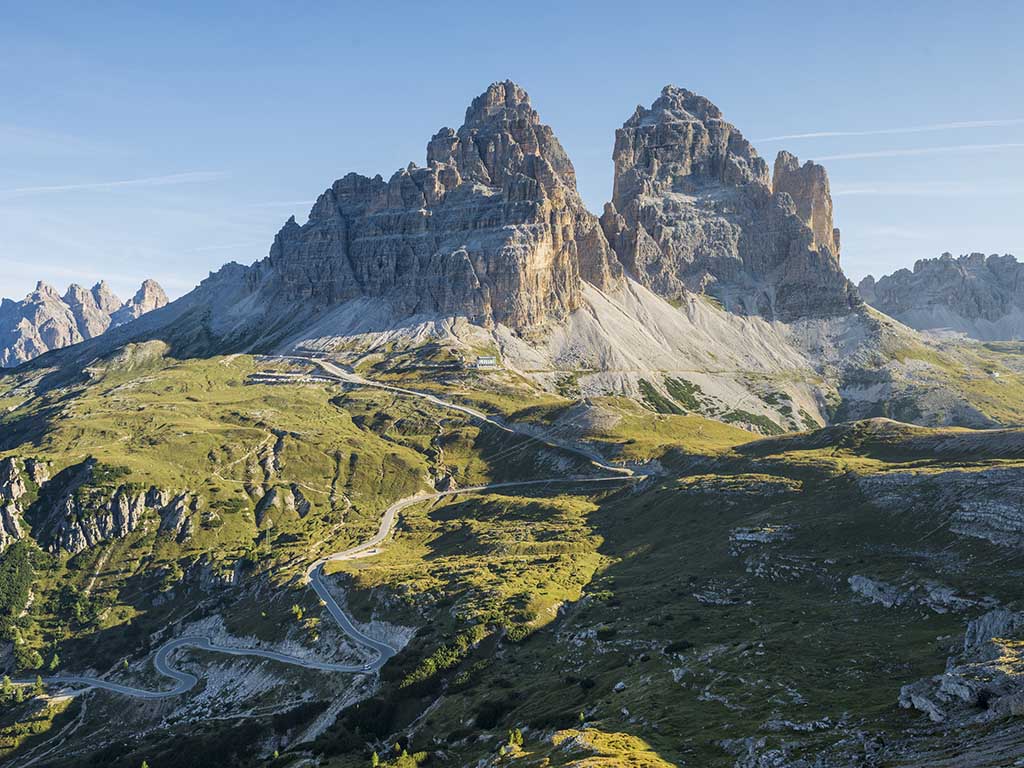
x: 186, y: 681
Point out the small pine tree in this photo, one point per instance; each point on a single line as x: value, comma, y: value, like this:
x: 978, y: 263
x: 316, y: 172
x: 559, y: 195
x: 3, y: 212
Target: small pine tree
x: 374, y: 760
x: 145, y: 764
x: 583, y: 718
x: 8, y: 686
x: 297, y: 611
x: 38, y: 689
x: 54, y: 662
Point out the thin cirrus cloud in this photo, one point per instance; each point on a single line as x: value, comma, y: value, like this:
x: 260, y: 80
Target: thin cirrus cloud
x: 916, y: 189
x: 917, y: 151
x: 955, y: 126
x: 227, y: 246
x: 189, y: 177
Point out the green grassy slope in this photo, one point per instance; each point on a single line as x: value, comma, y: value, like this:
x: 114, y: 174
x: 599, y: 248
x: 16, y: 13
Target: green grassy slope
x: 655, y: 625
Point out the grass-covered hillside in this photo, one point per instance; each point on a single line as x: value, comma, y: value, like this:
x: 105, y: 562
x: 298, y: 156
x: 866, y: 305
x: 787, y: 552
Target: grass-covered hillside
x: 742, y: 601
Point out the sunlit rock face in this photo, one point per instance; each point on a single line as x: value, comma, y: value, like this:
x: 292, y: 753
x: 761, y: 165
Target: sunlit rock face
x: 492, y: 228
x: 45, y: 320
x: 693, y: 209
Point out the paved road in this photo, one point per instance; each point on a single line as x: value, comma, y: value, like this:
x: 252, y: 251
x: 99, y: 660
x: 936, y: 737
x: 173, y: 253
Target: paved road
x: 348, y: 377
x: 185, y: 681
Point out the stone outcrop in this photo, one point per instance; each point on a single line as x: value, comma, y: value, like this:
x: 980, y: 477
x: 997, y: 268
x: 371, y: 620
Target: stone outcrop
x: 73, y: 513
x: 12, y: 490
x: 931, y: 594
x: 983, y: 504
x: 981, y: 296
x: 45, y: 320
x: 981, y: 683
x: 694, y: 210
x: 491, y: 229
x: 12, y: 485
x: 175, y: 513
x: 807, y: 184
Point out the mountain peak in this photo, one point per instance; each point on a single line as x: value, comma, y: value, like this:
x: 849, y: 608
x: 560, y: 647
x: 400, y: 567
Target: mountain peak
x: 682, y: 103
x: 45, y: 320
x: 502, y: 141
x: 978, y: 295
x: 501, y: 99
x: 47, y: 290
x: 105, y: 298
x: 492, y: 228
x: 150, y: 294
x: 681, y: 142
x: 693, y: 210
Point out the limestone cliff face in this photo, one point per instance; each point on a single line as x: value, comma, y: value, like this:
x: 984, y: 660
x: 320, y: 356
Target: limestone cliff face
x: 974, y: 294
x: 150, y: 296
x: 45, y: 320
x: 693, y: 209
x: 71, y: 512
x: 808, y: 186
x: 12, y: 489
x: 492, y: 228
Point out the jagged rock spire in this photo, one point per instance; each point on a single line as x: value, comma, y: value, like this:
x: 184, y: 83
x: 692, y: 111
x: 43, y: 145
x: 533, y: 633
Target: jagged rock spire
x: 45, y: 320
x: 492, y: 228
x: 693, y: 210
x: 808, y: 186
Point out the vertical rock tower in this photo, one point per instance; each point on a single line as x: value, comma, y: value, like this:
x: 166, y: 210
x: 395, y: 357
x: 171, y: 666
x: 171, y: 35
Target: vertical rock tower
x: 808, y: 186
x: 693, y: 209
x: 492, y: 228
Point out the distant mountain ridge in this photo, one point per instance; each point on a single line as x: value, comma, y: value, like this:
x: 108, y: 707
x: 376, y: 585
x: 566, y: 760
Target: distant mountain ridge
x: 45, y: 320
x: 974, y: 294
x: 493, y: 229
x: 709, y: 275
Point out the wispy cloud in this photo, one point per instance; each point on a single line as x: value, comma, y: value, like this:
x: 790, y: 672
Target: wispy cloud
x: 898, y: 233
x: 915, y: 151
x: 19, y: 140
x: 228, y: 246
x: 281, y: 204
x: 914, y: 189
x: 55, y: 272
x: 189, y: 177
x: 29, y: 272
x: 955, y: 126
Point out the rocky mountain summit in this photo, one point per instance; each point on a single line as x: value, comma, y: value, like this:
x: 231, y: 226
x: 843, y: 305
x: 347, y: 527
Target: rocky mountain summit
x: 708, y: 274
x: 45, y: 320
x: 977, y: 295
x: 492, y: 228
x: 695, y: 210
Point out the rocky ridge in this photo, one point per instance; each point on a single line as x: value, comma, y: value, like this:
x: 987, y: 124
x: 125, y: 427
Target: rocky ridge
x: 491, y: 229
x: 983, y: 681
x: 82, y: 506
x: 707, y: 271
x: 977, y: 295
x: 695, y: 210
x: 46, y: 320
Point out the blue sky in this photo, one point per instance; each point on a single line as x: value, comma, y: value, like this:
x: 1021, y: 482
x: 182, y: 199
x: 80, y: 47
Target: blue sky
x: 162, y: 140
